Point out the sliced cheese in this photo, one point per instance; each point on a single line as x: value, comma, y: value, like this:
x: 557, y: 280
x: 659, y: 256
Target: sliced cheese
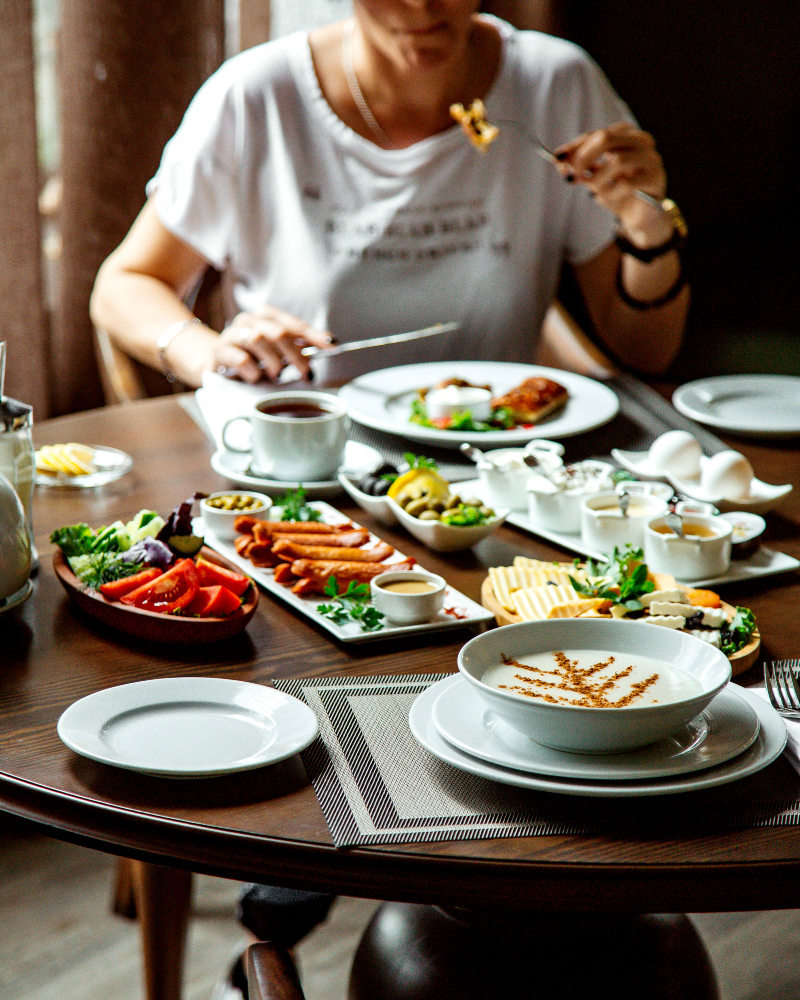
x: 663, y: 581
x: 575, y: 608
x: 507, y: 579
x: 535, y: 603
x: 618, y: 611
x: 669, y: 621
x: 672, y: 608
x: 709, y: 635
x: 714, y: 617
x: 663, y: 595
x: 551, y: 571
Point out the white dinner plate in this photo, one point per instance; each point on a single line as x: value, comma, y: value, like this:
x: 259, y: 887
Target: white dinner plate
x: 763, y: 562
x: 188, y: 727
x: 753, y: 405
x: 768, y: 745
x: 110, y: 464
x: 382, y: 400
x: 358, y: 460
x: 724, y: 729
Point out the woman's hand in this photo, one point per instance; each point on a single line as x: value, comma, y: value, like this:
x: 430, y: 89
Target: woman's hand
x: 612, y: 163
x: 259, y: 345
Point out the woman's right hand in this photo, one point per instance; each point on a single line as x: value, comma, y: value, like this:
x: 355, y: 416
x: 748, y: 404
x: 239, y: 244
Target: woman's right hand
x: 259, y: 345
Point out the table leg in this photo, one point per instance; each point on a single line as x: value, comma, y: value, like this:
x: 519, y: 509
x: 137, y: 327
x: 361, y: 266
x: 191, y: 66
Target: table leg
x: 163, y: 902
x: 415, y: 952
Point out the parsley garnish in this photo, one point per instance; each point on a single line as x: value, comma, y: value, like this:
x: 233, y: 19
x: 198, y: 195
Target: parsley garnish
x: 294, y: 507
x: 621, y: 578
x: 351, y: 606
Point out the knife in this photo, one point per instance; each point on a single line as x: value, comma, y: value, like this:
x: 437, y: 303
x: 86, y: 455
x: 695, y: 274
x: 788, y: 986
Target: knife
x: 395, y: 338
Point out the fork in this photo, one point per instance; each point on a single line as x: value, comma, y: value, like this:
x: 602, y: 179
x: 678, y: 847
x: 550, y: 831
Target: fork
x: 783, y: 686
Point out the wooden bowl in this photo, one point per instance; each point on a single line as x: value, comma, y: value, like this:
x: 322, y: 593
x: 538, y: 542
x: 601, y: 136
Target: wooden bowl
x: 740, y: 661
x: 150, y: 624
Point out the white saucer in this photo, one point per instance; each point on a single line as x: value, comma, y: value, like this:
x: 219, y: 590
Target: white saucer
x: 358, y: 460
x: 14, y: 600
x: 768, y: 745
x: 188, y: 727
x: 726, y: 728
x: 752, y: 405
x: 763, y: 497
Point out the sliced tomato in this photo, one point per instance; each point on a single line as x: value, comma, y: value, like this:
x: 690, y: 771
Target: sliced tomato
x: 119, y: 588
x: 212, y: 575
x: 213, y: 602
x: 169, y: 592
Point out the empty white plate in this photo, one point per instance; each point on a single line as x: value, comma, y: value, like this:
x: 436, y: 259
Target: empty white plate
x: 752, y: 405
x: 726, y: 728
x: 188, y: 727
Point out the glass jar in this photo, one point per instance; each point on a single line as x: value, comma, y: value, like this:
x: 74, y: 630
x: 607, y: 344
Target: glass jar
x: 17, y: 458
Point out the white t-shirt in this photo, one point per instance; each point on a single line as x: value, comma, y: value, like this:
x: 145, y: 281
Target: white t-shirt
x: 267, y: 183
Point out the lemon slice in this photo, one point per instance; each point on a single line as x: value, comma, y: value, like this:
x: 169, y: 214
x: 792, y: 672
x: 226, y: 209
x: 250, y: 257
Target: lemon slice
x: 417, y: 483
x: 69, y: 459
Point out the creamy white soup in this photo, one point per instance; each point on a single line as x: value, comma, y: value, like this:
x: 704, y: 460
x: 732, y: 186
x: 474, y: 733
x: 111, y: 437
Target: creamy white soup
x: 592, y: 678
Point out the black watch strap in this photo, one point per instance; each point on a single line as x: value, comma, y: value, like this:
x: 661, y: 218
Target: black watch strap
x: 649, y: 254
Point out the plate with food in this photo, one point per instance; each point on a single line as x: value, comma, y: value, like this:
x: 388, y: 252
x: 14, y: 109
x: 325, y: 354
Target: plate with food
x: 619, y: 586
x: 485, y: 403
x: 154, y: 578
x: 80, y: 466
x: 322, y: 564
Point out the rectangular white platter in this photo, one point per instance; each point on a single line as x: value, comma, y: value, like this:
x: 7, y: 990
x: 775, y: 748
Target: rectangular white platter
x: 474, y: 614
x: 764, y: 562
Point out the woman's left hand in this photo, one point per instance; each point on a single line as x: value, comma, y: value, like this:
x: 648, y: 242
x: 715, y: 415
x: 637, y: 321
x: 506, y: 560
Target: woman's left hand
x: 612, y: 163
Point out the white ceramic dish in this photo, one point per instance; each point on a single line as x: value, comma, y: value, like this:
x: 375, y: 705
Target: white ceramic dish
x: 764, y: 562
x: 762, y: 498
x: 110, y: 463
x: 221, y: 521
x: 188, y: 727
x: 358, y: 460
x: 725, y: 728
x: 561, y: 508
x: 446, y: 537
x: 458, y: 611
x: 692, y: 557
x: 382, y: 399
x: 604, y: 526
x: 767, y: 747
x: 379, y: 507
x: 765, y: 406
x: 594, y: 730
x: 408, y: 608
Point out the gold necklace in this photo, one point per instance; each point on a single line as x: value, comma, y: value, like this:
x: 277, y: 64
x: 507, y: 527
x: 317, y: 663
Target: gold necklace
x: 355, y: 90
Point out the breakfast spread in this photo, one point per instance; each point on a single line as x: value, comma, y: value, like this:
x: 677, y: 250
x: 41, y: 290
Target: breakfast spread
x: 480, y: 132
x: 592, y: 679
x: 456, y: 404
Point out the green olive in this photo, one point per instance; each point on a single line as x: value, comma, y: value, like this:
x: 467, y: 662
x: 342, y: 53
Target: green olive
x: 234, y: 501
x: 416, y: 507
x: 404, y: 501
x: 486, y: 511
x: 429, y: 515
x: 451, y: 500
x: 436, y: 505
x: 473, y: 502
x: 449, y: 512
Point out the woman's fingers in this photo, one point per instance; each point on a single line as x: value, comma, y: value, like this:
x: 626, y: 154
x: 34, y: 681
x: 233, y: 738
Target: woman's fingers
x: 265, y: 342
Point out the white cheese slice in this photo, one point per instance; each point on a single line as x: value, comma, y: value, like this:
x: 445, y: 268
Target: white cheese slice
x: 710, y: 635
x: 714, y: 617
x: 672, y: 608
x: 668, y: 621
x: 535, y: 603
x: 662, y: 595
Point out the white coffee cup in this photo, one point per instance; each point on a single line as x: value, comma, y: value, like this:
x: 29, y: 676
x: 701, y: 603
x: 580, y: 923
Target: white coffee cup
x: 704, y: 551
x: 604, y: 526
x: 296, y: 436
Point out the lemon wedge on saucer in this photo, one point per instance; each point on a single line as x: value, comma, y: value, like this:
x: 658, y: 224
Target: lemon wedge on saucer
x: 417, y: 483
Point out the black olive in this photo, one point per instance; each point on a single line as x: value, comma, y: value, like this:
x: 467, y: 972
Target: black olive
x: 367, y: 483
x: 381, y: 488
x: 387, y: 469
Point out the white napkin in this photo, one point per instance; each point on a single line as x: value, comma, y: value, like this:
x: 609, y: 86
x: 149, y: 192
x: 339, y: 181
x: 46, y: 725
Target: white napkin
x: 792, y: 751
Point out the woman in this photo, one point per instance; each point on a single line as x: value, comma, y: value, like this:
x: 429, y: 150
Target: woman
x: 325, y: 175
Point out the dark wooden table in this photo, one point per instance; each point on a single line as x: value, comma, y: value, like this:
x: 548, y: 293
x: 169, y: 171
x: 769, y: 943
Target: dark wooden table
x: 267, y: 825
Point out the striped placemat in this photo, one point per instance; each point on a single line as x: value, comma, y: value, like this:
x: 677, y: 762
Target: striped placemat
x: 377, y: 785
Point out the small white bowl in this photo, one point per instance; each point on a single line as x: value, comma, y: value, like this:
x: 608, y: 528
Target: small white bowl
x: 379, y: 507
x: 594, y: 730
x: 693, y: 557
x: 446, y: 537
x: 603, y: 525
x: 560, y: 509
x: 221, y: 522
x: 408, y: 609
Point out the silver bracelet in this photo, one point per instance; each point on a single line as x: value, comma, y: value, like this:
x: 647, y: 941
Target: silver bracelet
x: 166, y: 338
